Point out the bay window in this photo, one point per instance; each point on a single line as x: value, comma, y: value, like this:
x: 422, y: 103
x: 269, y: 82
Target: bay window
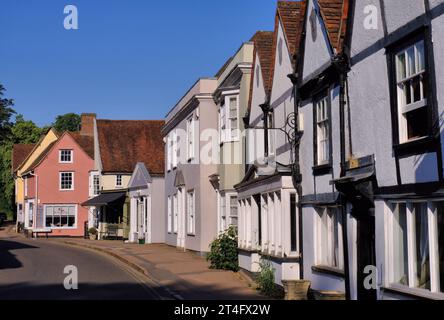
x: 229, y: 119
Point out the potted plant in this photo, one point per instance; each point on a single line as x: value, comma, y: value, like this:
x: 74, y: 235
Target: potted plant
x: 92, y: 233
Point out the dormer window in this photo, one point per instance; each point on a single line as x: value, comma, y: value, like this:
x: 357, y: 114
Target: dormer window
x: 66, y: 156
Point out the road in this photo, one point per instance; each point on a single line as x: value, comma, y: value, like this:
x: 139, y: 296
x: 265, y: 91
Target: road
x: 34, y: 269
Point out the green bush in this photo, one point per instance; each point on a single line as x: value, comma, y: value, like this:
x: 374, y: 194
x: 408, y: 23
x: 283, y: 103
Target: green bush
x: 223, y: 254
x: 265, y: 279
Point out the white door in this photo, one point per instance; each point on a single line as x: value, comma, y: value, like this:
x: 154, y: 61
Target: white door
x: 141, y: 217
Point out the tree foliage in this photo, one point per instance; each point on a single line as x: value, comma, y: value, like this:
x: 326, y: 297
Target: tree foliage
x: 6, y: 112
x: 67, y: 122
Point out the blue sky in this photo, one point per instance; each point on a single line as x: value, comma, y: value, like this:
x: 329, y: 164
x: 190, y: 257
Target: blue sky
x: 130, y: 59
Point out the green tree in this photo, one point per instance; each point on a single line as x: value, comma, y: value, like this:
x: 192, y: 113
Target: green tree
x: 67, y: 122
x: 6, y: 112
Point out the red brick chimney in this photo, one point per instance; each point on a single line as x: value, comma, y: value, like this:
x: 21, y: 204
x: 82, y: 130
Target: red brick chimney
x: 87, y: 124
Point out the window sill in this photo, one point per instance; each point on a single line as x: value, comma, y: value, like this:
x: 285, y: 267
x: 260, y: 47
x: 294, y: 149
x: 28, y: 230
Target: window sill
x: 191, y: 235
x: 322, y: 169
x: 413, y: 292
x: 415, y: 147
x: 329, y: 270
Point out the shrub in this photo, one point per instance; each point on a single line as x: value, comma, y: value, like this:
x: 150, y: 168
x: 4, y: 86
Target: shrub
x: 265, y: 279
x: 92, y: 231
x: 223, y: 251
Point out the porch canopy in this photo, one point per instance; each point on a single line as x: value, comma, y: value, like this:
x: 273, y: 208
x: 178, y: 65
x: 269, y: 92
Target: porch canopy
x: 105, y: 199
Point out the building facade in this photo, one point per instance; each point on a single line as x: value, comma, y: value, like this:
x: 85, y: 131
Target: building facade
x: 268, y: 227
x: 191, y: 160
x: 231, y: 97
x: 56, y: 184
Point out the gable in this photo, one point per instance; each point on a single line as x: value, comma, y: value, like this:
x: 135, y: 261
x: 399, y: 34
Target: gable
x: 140, y: 177
x: 258, y: 95
x: 42, y: 146
x: 318, y: 51
x: 282, y: 65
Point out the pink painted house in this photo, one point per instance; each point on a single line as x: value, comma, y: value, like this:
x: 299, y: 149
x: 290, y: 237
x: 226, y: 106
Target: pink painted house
x: 56, y: 185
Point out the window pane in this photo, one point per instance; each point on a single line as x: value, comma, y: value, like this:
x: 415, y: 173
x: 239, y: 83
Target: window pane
x: 401, y: 66
x: 293, y: 222
x: 420, y: 56
x: 422, y: 246
x: 416, y: 88
x: 411, y: 61
x: 417, y: 123
x: 400, y: 249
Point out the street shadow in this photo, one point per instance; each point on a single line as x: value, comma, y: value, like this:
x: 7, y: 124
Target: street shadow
x: 7, y: 259
x: 89, y: 291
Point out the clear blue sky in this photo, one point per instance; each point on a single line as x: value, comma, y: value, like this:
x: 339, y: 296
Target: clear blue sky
x: 130, y: 59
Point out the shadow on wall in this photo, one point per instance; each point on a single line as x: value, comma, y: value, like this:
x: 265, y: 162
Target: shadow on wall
x: 8, y: 259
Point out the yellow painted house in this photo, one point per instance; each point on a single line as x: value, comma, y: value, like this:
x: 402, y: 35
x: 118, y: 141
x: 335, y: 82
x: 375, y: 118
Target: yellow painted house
x: 23, y: 157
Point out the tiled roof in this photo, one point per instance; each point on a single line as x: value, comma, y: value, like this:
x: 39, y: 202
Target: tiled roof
x: 125, y: 143
x: 85, y: 142
x: 335, y: 13
x: 263, y: 46
x: 292, y: 15
x: 19, y: 153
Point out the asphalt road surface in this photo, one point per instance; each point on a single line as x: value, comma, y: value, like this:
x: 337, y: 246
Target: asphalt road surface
x: 34, y: 269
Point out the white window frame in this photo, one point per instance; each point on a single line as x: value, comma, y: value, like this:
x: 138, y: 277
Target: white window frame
x: 401, y: 82
x: 226, y: 132
x: 72, y: 178
x: 57, y: 206
x: 61, y: 154
x: 432, y: 220
x: 117, y: 180
x: 191, y: 212
x: 231, y: 206
x: 191, y: 132
x: 170, y: 215
x: 325, y: 257
x: 323, y: 131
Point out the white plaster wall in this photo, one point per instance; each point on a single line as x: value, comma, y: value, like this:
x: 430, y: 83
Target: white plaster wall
x: 363, y: 37
x: 400, y: 12
x: 258, y: 96
x: 306, y: 148
x: 371, y: 116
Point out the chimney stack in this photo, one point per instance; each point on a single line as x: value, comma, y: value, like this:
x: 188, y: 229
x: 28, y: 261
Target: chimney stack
x: 87, y: 124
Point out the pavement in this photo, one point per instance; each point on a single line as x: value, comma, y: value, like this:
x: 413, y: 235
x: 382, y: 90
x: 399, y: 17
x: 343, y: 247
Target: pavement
x: 174, y: 273
x: 35, y: 270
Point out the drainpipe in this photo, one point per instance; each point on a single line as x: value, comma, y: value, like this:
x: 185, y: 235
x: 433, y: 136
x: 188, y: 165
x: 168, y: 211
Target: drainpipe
x: 341, y: 64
